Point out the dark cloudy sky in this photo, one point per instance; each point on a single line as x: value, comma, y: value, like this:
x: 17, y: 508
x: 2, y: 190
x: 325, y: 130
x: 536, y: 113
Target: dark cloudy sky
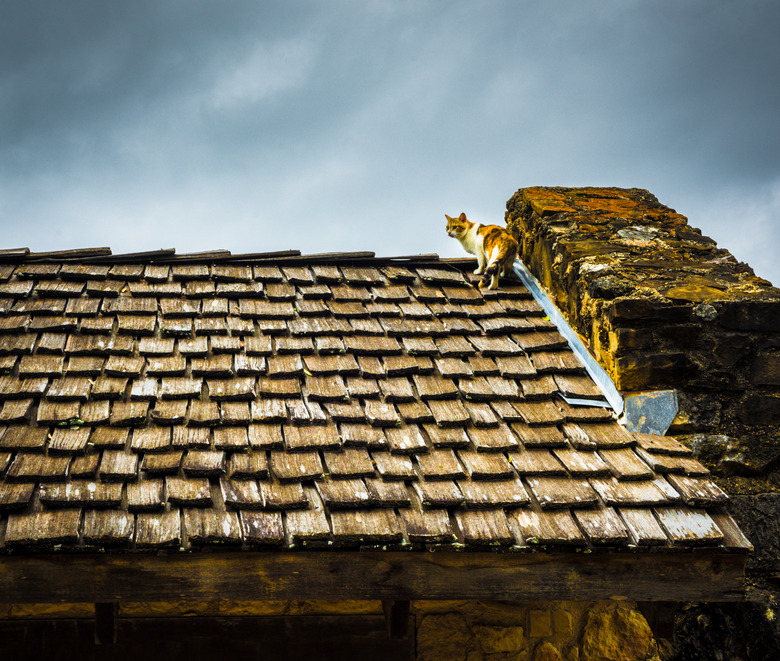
x: 356, y: 124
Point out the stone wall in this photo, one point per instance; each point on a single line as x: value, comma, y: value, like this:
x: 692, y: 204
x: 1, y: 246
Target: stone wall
x: 663, y: 307
x: 438, y: 631
x: 538, y: 631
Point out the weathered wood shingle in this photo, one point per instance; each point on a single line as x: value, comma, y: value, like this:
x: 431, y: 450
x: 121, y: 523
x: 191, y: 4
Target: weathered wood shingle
x: 181, y: 405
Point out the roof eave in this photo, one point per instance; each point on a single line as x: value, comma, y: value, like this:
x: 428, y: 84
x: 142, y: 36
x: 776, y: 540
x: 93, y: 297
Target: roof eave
x: 704, y: 575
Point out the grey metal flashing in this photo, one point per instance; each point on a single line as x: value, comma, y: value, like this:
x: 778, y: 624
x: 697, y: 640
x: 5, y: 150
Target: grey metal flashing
x: 596, y: 371
x: 581, y: 401
x: 651, y: 412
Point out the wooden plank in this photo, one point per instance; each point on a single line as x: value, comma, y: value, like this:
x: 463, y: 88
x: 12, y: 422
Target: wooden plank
x: 689, y: 527
x: 625, y: 464
x: 158, y: 530
x: 246, y: 466
x: 556, y: 492
x: 698, y: 491
x: 262, y: 527
x: 661, y: 444
x: 43, y: 528
x: 447, y: 437
x: 492, y: 494
x: 301, y: 439
x: 145, y: 496
x: 535, y: 462
x: 448, y: 412
x: 350, y: 462
x: 643, y: 526
x: 644, y: 493
x: 190, y: 492
x: 440, y: 464
x: 427, y: 525
x: 343, y: 494
x: 378, y: 526
x: 107, y: 527
x: 485, y: 465
x: 208, y: 526
x: 483, y: 527
x: 387, y: 494
x: 667, y: 463
x: 406, y: 440
x: 493, y: 440
x: 307, y: 525
x: 296, y: 467
x: 582, y: 463
x: 556, y: 527
x: 602, y: 526
x: 80, y: 493
x: 362, y: 435
x: 733, y: 538
x: 481, y: 414
x: 392, y: 466
x: 90, y: 578
x: 439, y: 493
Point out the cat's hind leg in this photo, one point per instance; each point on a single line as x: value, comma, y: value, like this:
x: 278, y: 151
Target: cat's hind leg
x: 490, y: 279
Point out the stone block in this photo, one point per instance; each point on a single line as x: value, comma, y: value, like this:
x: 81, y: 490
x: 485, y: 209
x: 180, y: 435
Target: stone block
x: 653, y: 370
x: 547, y: 652
x: 766, y: 370
x: 751, y: 316
x: 695, y: 293
x: 760, y: 408
x: 609, y: 287
x: 632, y: 310
x: 617, y: 635
x: 683, y: 336
x: 494, y: 640
x: 539, y: 623
x: 729, y: 349
x: 562, y: 623
x: 626, y: 340
x: 759, y: 519
x: 443, y: 637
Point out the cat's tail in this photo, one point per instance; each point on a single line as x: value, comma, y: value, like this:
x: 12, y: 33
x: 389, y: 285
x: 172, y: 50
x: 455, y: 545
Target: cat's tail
x: 505, y: 257
x: 490, y: 272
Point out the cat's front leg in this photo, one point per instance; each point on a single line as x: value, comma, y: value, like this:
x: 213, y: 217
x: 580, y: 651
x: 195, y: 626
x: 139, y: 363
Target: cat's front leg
x: 480, y: 265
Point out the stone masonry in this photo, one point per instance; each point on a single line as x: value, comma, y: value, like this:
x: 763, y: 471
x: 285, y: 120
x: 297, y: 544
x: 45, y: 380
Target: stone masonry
x: 663, y: 307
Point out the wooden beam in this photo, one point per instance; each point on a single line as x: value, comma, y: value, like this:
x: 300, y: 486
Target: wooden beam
x: 61, y: 578
x: 105, y: 623
x: 396, y: 617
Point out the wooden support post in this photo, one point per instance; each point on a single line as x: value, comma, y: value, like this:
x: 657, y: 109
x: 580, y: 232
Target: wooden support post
x: 105, y: 623
x: 396, y: 617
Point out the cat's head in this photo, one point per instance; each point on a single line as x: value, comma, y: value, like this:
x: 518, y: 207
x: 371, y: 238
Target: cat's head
x: 457, y: 227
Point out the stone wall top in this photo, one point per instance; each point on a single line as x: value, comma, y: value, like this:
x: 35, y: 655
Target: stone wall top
x: 662, y: 306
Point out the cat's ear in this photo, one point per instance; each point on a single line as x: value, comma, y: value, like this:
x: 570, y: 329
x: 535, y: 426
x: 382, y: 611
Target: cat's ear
x: 462, y: 217
x: 448, y: 217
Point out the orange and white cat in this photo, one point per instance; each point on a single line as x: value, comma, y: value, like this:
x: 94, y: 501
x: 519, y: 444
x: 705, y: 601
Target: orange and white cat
x: 494, y: 247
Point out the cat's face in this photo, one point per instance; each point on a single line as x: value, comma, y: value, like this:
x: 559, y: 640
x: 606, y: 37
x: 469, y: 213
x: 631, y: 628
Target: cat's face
x: 457, y: 227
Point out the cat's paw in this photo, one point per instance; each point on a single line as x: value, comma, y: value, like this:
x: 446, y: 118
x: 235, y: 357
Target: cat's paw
x: 479, y: 271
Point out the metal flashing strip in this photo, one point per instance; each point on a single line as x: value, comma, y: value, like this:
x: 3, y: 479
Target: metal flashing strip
x: 596, y: 371
x: 580, y: 401
x: 651, y: 412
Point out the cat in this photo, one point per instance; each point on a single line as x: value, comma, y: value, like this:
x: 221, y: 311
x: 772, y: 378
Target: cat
x: 494, y: 247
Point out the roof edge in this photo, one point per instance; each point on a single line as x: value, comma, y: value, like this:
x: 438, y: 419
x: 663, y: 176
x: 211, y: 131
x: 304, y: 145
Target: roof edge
x: 253, y: 576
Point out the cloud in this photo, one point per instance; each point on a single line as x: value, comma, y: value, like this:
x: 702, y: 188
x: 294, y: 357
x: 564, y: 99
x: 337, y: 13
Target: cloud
x: 357, y: 125
x: 263, y: 73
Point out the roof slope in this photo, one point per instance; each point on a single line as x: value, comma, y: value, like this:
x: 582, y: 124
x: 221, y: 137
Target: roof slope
x: 319, y: 403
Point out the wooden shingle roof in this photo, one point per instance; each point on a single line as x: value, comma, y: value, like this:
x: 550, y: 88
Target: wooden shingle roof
x: 283, y: 403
